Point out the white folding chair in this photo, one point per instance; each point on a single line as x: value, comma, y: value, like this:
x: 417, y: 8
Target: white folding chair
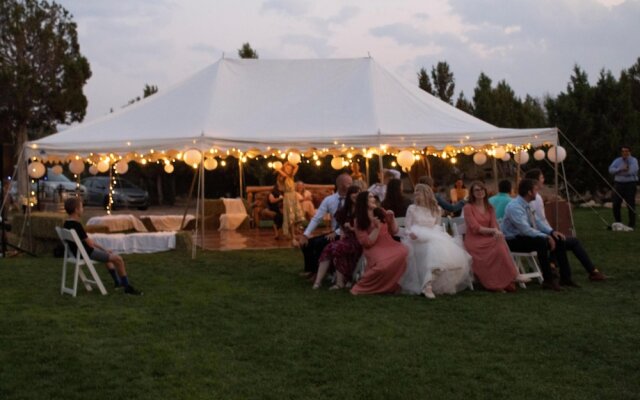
x: 360, y: 267
x: 458, y: 229
x: 81, y: 258
x: 528, y: 267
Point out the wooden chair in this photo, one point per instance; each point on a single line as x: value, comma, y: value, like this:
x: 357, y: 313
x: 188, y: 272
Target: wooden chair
x: 80, y: 259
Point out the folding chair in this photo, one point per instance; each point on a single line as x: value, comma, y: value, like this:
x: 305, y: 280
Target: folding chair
x: 458, y: 229
x: 81, y: 258
x: 360, y: 267
x: 528, y: 267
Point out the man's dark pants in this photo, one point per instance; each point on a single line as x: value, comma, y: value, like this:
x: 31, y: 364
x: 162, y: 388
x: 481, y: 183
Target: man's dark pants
x: 627, y: 191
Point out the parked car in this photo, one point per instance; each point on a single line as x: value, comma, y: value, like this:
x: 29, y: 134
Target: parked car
x: 51, y: 187
x: 125, y: 193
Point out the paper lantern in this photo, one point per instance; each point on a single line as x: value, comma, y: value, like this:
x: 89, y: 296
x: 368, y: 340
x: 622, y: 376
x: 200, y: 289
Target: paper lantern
x: 168, y: 168
x: 521, y: 157
x: 76, y: 166
x: 277, y: 165
x: 468, y: 151
x: 122, y: 167
x: 57, y: 169
x: 93, y: 170
x: 103, y: 165
x: 539, y: 155
x: 479, y: 158
x: 556, y: 154
x: 192, y: 157
x: 337, y: 163
x: 506, y: 157
x: 37, y: 170
x: 210, y: 164
x: 405, y: 159
x: 294, y: 158
x: 499, y: 152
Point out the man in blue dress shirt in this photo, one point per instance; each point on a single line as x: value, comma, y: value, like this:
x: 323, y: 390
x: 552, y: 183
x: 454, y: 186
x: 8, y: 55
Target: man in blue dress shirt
x: 625, y: 176
x: 525, y: 232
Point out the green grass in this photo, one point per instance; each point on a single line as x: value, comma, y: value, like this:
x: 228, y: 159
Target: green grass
x: 243, y: 325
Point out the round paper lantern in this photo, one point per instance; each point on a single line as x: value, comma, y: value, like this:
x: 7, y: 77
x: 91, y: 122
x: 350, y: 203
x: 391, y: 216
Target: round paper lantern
x: 103, y: 165
x: 76, y: 166
x: 556, y: 154
x: 277, y: 165
x: 405, y: 159
x: 192, y: 157
x: 479, y: 158
x: 168, y: 168
x: 57, y: 169
x: 337, y: 163
x: 521, y: 157
x: 499, y: 152
x: 210, y: 164
x: 506, y: 157
x: 37, y: 170
x: 539, y: 155
x: 467, y: 151
x: 294, y: 158
x: 93, y: 169
x: 122, y: 167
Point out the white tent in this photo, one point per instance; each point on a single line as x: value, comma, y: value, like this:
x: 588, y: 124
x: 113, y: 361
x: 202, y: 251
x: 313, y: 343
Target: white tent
x: 328, y: 105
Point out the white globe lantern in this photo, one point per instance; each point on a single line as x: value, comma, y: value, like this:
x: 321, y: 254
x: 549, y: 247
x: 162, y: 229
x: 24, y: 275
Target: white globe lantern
x: 57, y: 169
x: 76, y: 166
x: 93, y: 170
x: 556, y: 154
x: 337, y: 163
x: 103, y: 165
x: 539, y: 155
x: 405, y: 159
x: 479, y: 158
x: 521, y: 157
x: 499, y: 152
x: 294, y: 158
x: 506, y: 157
x: 37, y: 170
x: 168, y: 168
x: 210, y: 164
x: 122, y: 167
x: 277, y: 165
x: 192, y: 157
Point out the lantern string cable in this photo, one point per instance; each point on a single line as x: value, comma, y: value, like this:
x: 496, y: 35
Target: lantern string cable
x: 596, y: 170
x: 570, y: 186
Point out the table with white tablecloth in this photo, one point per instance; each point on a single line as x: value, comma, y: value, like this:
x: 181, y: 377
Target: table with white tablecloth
x: 149, y: 242
x: 118, y: 223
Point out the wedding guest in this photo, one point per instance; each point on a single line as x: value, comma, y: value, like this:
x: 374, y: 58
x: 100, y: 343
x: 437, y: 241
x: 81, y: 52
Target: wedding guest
x: 305, y: 198
x: 491, y: 261
x: 342, y: 254
x: 274, y: 204
x: 359, y: 179
x: 458, y: 192
x: 379, y: 189
x: 386, y: 258
x: 625, y: 176
x: 114, y: 263
x: 437, y: 264
x: 500, y: 200
x: 442, y: 202
x: 291, y: 210
x: 312, y: 246
x: 394, y: 200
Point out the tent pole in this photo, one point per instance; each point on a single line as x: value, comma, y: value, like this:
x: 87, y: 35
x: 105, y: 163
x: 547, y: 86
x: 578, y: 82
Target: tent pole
x: 240, y: 175
x: 566, y: 186
x: 495, y: 173
x: 557, y: 190
x: 366, y: 164
x: 186, y: 208
x: 199, y: 221
x: 202, y: 202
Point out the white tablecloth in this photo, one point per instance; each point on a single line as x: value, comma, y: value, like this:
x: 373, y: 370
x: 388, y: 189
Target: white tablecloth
x: 234, y: 215
x: 119, y: 222
x: 168, y: 222
x: 151, y: 242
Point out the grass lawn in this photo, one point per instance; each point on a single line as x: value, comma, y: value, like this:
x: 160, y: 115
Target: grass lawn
x: 243, y: 325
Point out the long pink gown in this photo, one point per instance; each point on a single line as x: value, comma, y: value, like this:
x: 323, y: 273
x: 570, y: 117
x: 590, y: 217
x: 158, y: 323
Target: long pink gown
x: 492, y: 263
x: 386, y: 262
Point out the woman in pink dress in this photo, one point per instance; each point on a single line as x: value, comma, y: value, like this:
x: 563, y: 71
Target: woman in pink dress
x: 386, y: 258
x: 492, y: 263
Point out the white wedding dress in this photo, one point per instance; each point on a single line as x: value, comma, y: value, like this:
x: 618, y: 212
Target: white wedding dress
x: 434, y: 256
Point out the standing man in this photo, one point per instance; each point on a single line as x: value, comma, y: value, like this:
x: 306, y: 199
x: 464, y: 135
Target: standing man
x: 625, y: 176
x: 312, y: 247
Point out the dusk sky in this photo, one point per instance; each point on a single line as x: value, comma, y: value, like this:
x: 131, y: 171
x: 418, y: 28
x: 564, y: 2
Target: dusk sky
x: 532, y: 44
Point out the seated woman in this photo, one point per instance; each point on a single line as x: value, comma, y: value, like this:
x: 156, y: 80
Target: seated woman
x: 394, y: 200
x: 458, y: 192
x: 386, y: 258
x: 274, y: 204
x: 436, y: 263
x: 305, y: 198
x: 343, y: 254
x: 492, y: 263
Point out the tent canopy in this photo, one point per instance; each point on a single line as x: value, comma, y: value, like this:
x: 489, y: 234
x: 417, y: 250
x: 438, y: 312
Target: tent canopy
x: 325, y: 105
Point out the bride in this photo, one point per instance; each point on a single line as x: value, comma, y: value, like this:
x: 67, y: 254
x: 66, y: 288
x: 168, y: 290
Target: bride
x: 436, y: 263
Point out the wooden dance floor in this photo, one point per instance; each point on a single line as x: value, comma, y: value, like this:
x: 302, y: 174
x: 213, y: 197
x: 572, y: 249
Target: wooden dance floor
x: 246, y: 239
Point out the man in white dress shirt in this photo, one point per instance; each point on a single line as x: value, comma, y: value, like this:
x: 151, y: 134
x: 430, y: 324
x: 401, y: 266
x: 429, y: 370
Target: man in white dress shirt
x: 380, y: 189
x: 312, y: 247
